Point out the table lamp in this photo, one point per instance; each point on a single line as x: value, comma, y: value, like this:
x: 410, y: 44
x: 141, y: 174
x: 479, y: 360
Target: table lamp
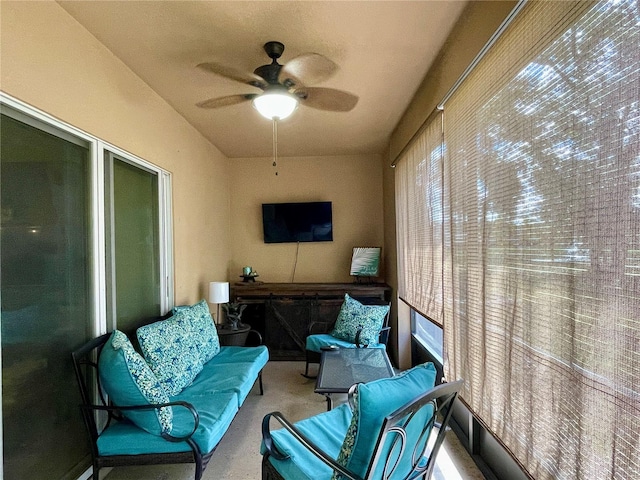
x: 218, y: 294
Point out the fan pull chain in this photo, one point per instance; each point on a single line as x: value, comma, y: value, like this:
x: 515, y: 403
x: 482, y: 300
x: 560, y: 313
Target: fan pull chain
x: 275, y: 144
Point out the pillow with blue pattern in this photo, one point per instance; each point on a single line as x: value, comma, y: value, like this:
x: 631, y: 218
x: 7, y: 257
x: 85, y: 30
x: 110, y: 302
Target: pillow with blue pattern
x: 172, y: 350
x: 128, y: 380
x: 202, y: 327
x: 354, y: 314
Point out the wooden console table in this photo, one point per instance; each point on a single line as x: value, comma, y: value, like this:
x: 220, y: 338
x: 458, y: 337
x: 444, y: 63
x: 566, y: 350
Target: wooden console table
x: 282, y: 312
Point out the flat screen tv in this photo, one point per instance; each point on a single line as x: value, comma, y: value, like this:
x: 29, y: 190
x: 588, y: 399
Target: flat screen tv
x: 297, y: 222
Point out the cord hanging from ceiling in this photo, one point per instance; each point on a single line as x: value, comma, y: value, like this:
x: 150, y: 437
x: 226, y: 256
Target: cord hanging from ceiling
x: 275, y: 144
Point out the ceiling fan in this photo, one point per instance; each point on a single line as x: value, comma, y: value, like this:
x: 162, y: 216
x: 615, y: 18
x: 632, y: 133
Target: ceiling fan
x: 284, y: 86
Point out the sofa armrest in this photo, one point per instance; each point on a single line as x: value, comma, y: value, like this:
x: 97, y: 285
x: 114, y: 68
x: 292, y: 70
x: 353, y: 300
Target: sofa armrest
x: 114, y: 410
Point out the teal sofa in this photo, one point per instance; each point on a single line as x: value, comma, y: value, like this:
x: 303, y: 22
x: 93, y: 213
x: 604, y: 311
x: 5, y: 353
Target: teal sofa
x: 170, y: 402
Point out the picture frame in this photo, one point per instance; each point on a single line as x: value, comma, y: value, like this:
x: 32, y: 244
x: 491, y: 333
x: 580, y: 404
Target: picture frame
x: 365, y: 261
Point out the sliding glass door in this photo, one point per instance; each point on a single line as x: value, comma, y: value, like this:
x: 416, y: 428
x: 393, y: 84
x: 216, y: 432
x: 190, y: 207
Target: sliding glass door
x: 46, y: 293
x: 133, y: 238
x: 85, y: 248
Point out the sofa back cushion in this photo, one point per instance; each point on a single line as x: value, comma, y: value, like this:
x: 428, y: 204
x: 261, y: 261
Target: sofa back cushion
x: 373, y: 402
x: 354, y: 314
x: 128, y: 380
x: 203, y: 330
x: 172, y: 350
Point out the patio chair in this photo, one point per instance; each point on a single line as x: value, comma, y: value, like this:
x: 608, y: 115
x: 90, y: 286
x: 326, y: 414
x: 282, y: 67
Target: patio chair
x: 390, y: 429
x: 357, y: 326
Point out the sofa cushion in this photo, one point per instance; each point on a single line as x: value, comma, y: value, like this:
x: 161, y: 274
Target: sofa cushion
x: 354, y: 314
x: 171, y: 347
x: 203, y: 329
x: 234, y: 369
x: 373, y: 402
x: 234, y: 354
x: 128, y: 380
x: 216, y: 411
x: 327, y: 431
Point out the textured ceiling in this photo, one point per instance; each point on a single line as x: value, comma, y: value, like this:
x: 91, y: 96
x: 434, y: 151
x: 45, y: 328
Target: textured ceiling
x: 383, y: 49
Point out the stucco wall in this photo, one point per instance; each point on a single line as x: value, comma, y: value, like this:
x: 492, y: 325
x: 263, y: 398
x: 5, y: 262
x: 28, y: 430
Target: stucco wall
x: 474, y: 28
x: 52, y: 63
x: 352, y: 183
x: 49, y: 61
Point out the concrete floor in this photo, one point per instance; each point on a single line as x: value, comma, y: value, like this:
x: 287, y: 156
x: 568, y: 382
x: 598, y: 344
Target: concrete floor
x: 238, y: 454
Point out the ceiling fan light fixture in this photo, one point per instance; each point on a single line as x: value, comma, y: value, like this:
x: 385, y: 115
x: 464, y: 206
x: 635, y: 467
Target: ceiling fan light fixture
x: 275, y: 104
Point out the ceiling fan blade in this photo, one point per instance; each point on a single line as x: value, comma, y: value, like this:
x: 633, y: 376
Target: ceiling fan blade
x: 233, y: 74
x: 327, y: 99
x: 308, y: 68
x: 226, y: 101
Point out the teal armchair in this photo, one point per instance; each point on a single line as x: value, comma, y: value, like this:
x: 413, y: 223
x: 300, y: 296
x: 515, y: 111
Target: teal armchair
x: 357, y: 326
x: 389, y: 429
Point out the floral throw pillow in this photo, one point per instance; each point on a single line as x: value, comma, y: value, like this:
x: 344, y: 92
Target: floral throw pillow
x: 172, y: 351
x: 128, y: 380
x: 203, y: 330
x: 349, y: 439
x: 353, y: 315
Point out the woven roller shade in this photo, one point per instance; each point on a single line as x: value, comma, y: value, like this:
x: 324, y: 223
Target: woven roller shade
x: 542, y: 235
x: 419, y: 217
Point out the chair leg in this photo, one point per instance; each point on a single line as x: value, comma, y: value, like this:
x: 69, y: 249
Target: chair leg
x: 199, y: 471
x: 310, y: 359
x: 268, y: 470
x: 260, y: 381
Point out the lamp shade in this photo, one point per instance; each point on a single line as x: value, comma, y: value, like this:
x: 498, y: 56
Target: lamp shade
x: 218, y: 292
x: 275, y: 104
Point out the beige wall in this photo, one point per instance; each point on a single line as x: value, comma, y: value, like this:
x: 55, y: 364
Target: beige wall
x: 50, y: 62
x: 352, y: 183
x: 475, y: 27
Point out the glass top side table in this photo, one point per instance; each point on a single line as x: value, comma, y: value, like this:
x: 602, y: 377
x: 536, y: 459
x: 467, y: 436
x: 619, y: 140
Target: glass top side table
x: 342, y: 367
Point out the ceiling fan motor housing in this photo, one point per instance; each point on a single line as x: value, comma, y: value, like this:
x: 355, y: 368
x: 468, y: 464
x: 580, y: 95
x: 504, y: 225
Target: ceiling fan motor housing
x: 269, y: 72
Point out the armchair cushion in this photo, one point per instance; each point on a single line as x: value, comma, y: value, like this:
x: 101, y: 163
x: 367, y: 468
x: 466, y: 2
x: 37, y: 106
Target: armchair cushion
x: 327, y: 431
x: 203, y: 331
x: 128, y: 381
x: 373, y: 402
x: 354, y: 314
x: 315, y: 342
x: 171, y: 347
